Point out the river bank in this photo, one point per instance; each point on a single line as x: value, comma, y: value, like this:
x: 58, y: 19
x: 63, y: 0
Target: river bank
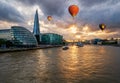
x: 25, y: 49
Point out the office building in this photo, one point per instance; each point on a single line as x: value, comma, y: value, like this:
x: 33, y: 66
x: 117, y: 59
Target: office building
x: 51, y: 39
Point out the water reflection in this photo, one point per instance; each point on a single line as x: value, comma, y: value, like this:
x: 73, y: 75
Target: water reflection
x: 88, y: 64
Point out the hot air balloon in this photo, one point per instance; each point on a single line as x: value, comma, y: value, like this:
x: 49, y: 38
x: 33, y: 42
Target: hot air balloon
x: 73, y: 10
x: 49, y: 18
x: 102, y: 26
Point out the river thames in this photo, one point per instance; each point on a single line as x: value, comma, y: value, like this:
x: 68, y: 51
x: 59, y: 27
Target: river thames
x: 88, y: 64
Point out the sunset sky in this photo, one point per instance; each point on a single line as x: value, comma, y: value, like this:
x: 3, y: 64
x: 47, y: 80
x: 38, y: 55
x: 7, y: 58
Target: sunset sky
x: 84, y: 26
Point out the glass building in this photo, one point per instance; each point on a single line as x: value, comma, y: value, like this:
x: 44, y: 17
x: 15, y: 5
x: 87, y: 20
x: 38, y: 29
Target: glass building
x: 5, y: 38
x: 19, y: 36
x: 5, y: 34
x: 51, y: 39
x: 36, y: 30
x: 22, y: 36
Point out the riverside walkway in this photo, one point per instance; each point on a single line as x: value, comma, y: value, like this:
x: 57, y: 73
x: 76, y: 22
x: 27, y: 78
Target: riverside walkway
x: 25, y: 49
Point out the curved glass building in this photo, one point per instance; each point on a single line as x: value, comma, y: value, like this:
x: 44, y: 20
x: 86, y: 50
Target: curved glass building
x: 22, y: 37
x: 5, y: 34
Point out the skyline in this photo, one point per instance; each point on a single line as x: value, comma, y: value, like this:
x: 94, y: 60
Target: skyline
x: 84, y: 26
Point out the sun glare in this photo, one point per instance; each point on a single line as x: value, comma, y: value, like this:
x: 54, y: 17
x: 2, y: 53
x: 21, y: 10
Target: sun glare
x: 78, y: 36
x: 73, y: 29
x: 85, y: 28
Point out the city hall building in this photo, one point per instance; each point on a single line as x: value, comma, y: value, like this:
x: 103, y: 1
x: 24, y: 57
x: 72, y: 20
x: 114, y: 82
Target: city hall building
x: 18, y: 36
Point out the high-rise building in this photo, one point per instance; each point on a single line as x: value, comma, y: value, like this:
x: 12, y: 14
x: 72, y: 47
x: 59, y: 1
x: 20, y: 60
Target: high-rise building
x: 36, y: 30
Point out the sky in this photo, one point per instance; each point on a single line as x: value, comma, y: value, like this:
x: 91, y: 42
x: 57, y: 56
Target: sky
x: 84, y: 26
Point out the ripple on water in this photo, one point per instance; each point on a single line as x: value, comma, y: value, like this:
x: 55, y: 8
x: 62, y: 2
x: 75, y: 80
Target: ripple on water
x: 88, y: 64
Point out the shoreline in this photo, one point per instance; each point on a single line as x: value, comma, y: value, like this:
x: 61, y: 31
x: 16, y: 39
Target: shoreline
x: 4, y: 50
x: 26, y: 49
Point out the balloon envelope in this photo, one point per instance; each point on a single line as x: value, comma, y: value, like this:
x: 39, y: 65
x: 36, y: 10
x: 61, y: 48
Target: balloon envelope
x: 102, y: 26
x: 73, y: 10
x: 49, y: 18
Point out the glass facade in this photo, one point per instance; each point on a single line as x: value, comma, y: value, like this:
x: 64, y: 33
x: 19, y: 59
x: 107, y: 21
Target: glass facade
x: 22, y: 36
x: 52, y: 39
x: 36, y: 30
x: 5, y: 34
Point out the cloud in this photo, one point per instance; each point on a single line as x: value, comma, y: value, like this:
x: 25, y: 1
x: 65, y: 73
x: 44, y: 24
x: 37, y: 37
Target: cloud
x: 90, y: 3
x: 49, y: 7
x: 101, y: 11
x: 92, y: 13
x: 9, y: 13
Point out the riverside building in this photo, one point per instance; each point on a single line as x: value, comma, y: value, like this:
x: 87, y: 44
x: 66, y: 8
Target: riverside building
x: 51, y: 39
x: 36, y: 29
x: 18, y: 36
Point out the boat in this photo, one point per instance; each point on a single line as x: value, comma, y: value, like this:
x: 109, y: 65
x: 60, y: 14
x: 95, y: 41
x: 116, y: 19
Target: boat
x: 79, y: 44
x: 65, y: 47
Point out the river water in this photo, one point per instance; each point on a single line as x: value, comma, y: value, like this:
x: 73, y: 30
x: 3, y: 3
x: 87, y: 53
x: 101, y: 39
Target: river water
x: 88, y: 64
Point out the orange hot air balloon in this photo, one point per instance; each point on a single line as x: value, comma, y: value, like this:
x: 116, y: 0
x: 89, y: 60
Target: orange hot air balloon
x: 49, y: 18
x: 73, y: 10
x: 102, y: 26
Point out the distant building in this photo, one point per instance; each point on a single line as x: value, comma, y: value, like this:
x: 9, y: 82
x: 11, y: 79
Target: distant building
x: 51, y: 39
x: 96, y: 41
x: 18, y: 36
x: 118, y: 41
x: 109, y: 42
x: 36, y: 30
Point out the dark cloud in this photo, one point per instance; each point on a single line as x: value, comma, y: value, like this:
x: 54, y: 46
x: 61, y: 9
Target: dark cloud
x: 9, y: 13
x: 53, y: 7
x: 114, y: 19
x: 109, y: 14
x: 102, y: 13
x: 90, y: 3
x: 49, y: 7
